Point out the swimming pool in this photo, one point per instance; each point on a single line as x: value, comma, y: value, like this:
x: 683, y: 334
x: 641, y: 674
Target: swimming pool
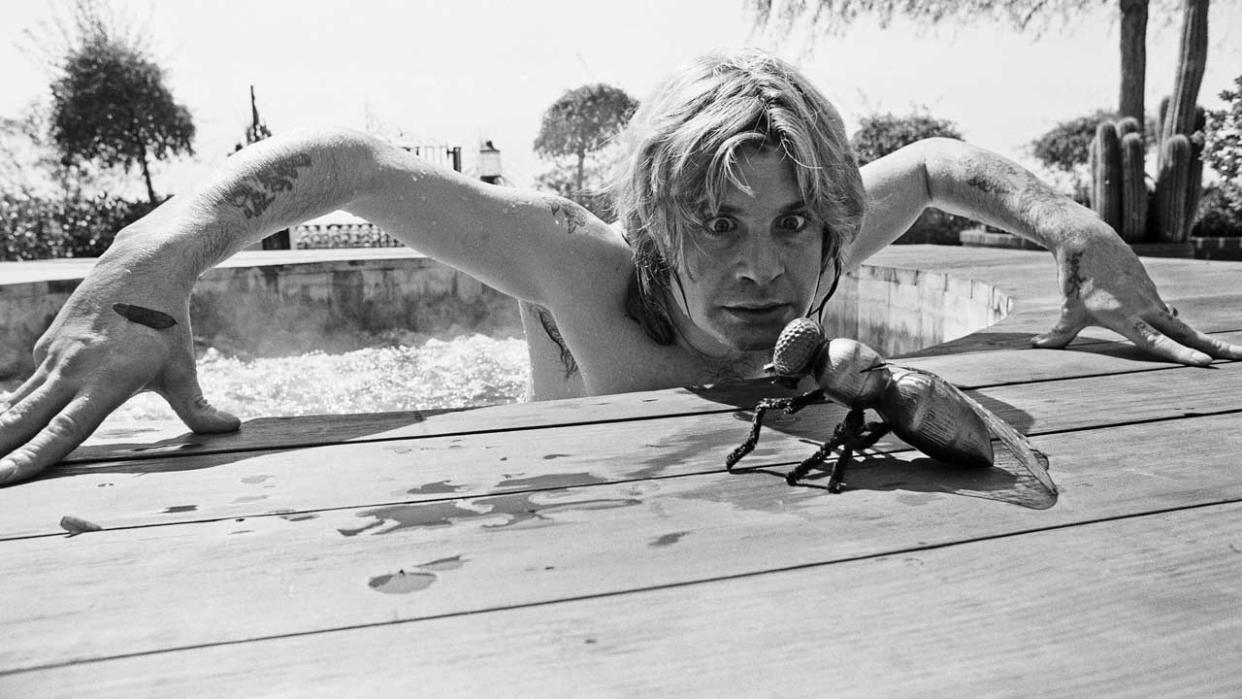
x: 354, y: 331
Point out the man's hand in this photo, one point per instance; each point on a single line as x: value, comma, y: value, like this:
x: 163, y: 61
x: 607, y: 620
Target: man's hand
x: 97, y: 354
x: 1103, y: 283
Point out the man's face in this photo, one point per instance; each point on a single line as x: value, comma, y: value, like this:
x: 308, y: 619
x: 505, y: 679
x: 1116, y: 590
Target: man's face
x: 757, y: 258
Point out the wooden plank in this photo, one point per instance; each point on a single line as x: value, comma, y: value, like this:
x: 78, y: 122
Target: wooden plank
x: 301, y: 573
x: 984, y: 368
x: 221, y: 486
x: 1114, y: 608
x: 168, y: 439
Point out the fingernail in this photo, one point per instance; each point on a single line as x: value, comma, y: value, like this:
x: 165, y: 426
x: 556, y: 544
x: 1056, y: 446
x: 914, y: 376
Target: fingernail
x: 8, y: 469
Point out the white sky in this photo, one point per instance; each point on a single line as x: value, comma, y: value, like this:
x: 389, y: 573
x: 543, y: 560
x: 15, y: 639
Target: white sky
x: 461, y: 71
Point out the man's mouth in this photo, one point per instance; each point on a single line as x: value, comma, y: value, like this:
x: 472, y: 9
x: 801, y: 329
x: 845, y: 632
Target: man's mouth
x: 756, y: 311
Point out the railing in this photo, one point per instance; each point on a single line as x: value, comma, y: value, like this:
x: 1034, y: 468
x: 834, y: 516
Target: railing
x: 358, y: 235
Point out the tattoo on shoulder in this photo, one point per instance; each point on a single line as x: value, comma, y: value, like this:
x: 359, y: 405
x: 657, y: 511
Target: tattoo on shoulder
x: 554, y: 334
x: 255, y: 193
x: 572, y: 213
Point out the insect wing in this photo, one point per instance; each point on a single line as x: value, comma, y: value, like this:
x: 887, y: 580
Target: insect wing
x: 1033, y: 460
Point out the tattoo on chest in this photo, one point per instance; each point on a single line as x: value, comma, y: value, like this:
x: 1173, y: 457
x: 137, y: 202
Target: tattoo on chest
x: 255, y: 193
x: 568, y: 211
x: 554, y: 334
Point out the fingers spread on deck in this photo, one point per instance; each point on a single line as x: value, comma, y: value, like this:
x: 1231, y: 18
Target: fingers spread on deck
x: 60, y: 434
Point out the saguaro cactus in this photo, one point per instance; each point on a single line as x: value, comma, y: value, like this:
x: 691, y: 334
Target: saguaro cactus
x: 1117, y: 154
x: 1108, y: 174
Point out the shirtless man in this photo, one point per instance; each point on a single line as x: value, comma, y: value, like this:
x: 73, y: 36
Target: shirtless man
x: 740, y: 205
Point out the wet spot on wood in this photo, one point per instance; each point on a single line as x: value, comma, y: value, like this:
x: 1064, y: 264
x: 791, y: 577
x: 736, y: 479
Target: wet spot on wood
x: 401, y: 582
x: 179, y: 508
x: 299, y: 516
x: 551, y: 480
x: 668, y: 539
x: 443, y: 564
x: 249, y: 498
x: 549, y: 457
x: 434, y: 488
x: 254, y: 480
x: 104, y: 485
x: 513, y: 510
x: 243, y: 531
x: 915, y: 498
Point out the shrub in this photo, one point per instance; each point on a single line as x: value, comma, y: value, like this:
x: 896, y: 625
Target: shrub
x: 881, y: 134
x: 1220, y: 212
x: 37, y: 228
x: 1223, y: 147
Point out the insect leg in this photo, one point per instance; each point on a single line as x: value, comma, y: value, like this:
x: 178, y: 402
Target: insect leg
x: 875, y: 432
x: 811, y: 462
x: 749, y: 445
x: 838, y: 470
x: 845, y: 433
x: 799, y: 402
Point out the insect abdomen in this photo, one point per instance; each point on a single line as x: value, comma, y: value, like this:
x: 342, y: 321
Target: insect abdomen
x: 932, y: 417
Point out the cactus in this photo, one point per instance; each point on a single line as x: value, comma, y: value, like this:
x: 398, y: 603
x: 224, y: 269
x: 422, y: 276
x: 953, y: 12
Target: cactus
x: 1169, y: 214
x: 1133, y: 188
x: 1108, y: 174
x: 1171, y: 189
x: 1192, y: 61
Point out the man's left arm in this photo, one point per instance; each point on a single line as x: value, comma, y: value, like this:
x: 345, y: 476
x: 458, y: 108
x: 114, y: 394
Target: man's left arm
x: 1102, y: 281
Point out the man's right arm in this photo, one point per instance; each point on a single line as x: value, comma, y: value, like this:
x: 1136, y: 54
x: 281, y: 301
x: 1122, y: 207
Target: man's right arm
x: 126, y: 328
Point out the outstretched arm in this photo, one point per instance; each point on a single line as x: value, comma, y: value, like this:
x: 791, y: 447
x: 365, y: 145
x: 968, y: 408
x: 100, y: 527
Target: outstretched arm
x: 1102, y: 281
x: 126, y: 328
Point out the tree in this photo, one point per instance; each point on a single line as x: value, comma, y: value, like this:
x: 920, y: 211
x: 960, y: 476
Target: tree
x: 1025, y: 15
x: 1067, y: 145
x: 582, y: 122
x: 881, y: 134
x: 110, y: 104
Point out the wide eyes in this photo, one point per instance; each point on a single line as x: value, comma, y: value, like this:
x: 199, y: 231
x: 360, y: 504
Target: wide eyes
x: 787, y: 223
x: 791, y: 223
x: 719, y: 225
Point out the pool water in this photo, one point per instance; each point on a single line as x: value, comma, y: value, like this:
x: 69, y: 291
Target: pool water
x: 420, y: 373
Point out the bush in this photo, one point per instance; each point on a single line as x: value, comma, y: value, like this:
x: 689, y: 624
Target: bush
x: 1223, y: 149
x: 35, y: 228
x: 1220, y: 212
x: 881, y: 134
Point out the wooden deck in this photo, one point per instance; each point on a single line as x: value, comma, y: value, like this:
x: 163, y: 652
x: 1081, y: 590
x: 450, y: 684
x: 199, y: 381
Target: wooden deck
x: 598, y: 546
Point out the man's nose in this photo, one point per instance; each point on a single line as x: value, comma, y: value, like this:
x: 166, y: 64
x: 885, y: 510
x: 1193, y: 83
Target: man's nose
x: 760, y: 261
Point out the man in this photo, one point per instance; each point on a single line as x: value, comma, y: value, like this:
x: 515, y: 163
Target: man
x: 740, y: 205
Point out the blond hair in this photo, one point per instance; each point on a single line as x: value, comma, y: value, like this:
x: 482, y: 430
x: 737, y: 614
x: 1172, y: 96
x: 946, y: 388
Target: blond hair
x: 681, y: 152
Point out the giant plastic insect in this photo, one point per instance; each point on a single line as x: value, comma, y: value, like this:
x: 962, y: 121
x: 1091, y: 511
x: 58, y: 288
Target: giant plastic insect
x: 923, y: 409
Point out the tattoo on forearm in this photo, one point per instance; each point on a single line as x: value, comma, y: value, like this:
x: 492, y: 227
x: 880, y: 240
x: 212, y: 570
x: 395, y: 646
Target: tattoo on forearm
x: 986, y: 185
x: 571, y: 212
x: 1012, y: 194
x: 144, y: 316
x: 254, y: 194
x: 1074, y: 281
x: 554, y: 334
